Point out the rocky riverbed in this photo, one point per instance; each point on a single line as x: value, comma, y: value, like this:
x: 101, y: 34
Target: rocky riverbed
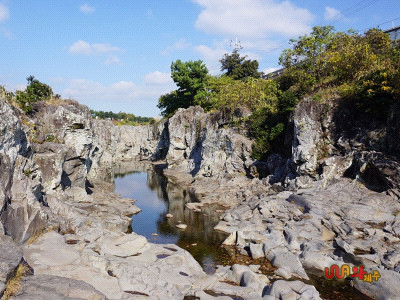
x: 334, y: 201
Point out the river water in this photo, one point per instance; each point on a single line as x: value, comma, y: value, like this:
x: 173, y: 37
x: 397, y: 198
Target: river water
x: 156, y: 196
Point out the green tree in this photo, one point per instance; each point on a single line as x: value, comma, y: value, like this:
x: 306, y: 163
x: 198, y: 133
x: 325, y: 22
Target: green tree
x: 34, y: 92
x: 238, y: 67
x: 306, y: 55
x: 366, y: 70
x: 190, y: 77
x: 169, y: 103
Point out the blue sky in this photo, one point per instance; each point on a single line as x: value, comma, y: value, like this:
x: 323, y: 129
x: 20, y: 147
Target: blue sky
x: 116, y: 55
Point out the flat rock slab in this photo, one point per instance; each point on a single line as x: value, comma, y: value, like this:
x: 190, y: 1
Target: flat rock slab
x: 51, y: 250
x: 45, y: 287
x: 162, y: 271
x: 10, y: 257
x: 124, y: 246
x: 51, y: 255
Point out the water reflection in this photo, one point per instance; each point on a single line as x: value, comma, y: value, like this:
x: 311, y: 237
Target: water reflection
x: 156, y: 196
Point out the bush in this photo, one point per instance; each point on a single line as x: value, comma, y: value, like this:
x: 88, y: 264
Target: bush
x: 34, y: 92
x: 226, y: 93
x: 268, y: 130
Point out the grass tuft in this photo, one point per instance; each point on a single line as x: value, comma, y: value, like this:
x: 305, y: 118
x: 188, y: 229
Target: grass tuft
x: 13, y: 284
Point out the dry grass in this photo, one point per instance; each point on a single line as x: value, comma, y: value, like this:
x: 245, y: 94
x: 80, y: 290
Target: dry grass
x: 13, y: 284
x: 40, y: 232
x: 34, y: 237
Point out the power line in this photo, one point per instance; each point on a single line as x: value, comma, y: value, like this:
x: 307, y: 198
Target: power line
x: 360, y: 8
x: 353, y: 6
x: 354, y: 9
x: 377, y: 26
x: 387, y: 22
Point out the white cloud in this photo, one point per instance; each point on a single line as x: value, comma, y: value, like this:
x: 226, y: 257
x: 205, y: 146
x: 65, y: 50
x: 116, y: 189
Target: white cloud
x: 262, y: 45
x: 105, y: 48
x: 82, y: 47
x: 15, y: 87
x: 179, y: 45
x: 91, y: 91
x: 153, y: 86
x: 124, y: 87
x: 253, y: 19
x: 86, y: 8
x: 211, y: 56
x: 158, y: 77
x: 210, y: 53
x: 332, y: 14
x: 4, y: 13
x: 113, y: 60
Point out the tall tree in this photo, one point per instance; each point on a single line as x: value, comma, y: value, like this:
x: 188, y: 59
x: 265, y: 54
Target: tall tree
x: 238, y: 67
x: 190, y: 77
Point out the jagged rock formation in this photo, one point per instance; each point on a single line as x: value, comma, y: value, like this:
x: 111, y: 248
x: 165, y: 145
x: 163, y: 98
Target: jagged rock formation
x: 304, y: 212
x: 20, y: 186
x: 199, y: 145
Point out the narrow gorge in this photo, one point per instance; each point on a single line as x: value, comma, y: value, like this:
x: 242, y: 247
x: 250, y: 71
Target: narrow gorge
x: 333, y: 200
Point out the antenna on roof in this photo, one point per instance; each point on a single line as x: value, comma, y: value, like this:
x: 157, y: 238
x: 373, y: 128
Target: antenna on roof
x: 237, y: 45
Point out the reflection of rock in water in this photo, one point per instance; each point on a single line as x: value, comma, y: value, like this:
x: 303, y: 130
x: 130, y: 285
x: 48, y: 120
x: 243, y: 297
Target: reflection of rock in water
x: 124, y: 168
x: 199, y: 238
x: 157, y: 182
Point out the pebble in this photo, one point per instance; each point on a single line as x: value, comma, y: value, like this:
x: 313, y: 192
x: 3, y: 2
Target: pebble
x: 181, y: 226
x: 169, y: 215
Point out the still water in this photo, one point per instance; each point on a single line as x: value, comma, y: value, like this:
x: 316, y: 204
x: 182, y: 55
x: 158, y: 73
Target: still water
x: 156, y: 196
